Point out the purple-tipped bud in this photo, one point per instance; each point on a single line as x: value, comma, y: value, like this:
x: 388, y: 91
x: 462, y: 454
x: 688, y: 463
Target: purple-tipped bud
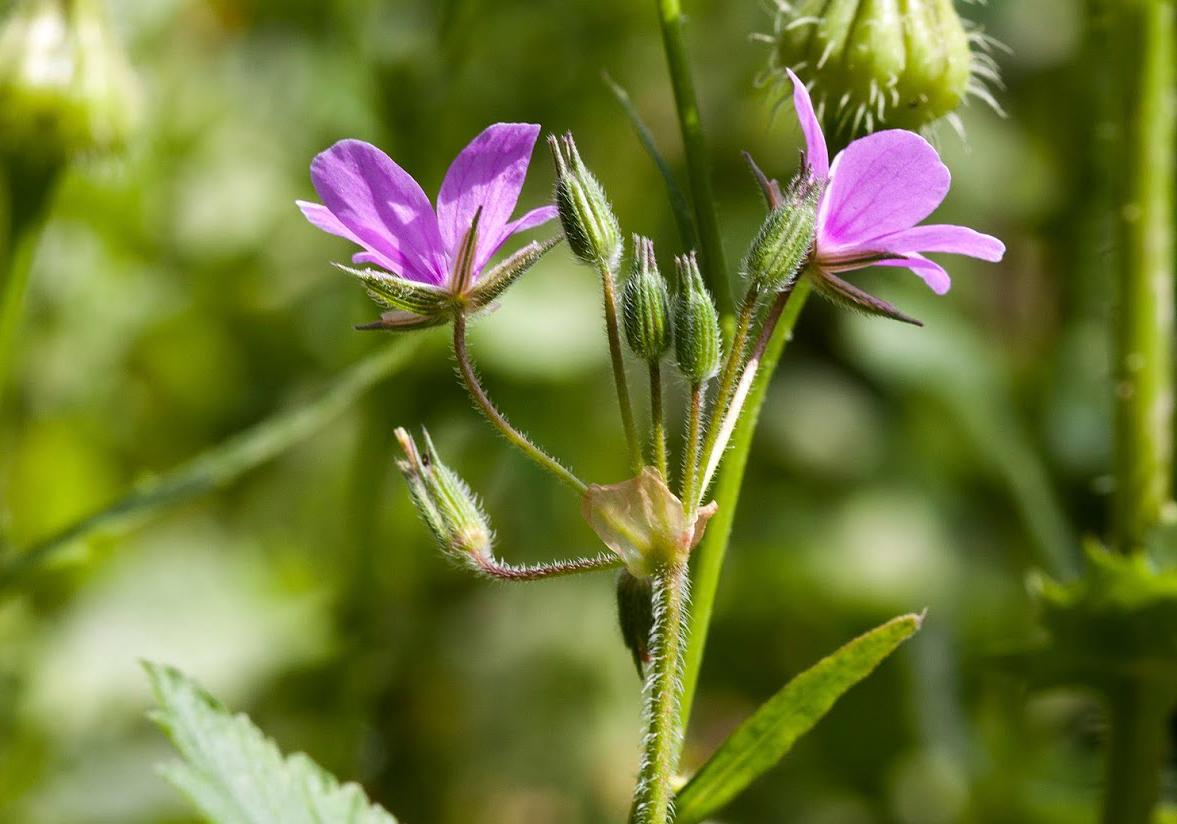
x: 645, y: 304
x: 589, y: 224
x: 445, y: 503
x: 784, y: 240
x: 696, y: 324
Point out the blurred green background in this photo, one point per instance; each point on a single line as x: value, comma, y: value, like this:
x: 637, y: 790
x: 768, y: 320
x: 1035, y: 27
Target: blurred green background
x: 179, y: 297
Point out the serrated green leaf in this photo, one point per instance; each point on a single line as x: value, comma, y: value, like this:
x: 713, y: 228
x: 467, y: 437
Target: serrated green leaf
x: 234, y: 774
x: 762, y: 740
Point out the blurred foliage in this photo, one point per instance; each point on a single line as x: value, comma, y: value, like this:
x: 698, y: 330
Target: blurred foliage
x: 178, y: 297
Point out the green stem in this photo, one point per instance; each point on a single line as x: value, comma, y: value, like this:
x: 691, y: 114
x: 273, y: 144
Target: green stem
x: 494, y: 568
x: 517, y: 438
x: 615, y: 354
x: 714, y: 267
x: 690, y: 472
x: 708, y: 556
x: 654, y: 793
x: 727, y: 378
x: 1136, y: 749
x: 657, y: 418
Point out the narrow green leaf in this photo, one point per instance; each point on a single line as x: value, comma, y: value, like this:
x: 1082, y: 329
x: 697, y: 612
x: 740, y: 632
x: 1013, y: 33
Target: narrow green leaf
x: 678, y: 203
x: 762, y: 740
x: 234, y: 774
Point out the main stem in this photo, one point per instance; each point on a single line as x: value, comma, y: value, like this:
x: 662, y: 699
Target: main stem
x: 1144, y: 325
x: 714, y: 267
x: 654, y: 794
x: 614, y: 332
x: 1144, y: 56
x: 517, y: 438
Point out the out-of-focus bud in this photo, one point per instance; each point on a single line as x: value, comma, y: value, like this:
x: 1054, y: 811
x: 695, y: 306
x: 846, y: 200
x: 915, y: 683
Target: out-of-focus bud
x: 445, y: 504
x: 780, y: 247
x: 645, y: 304
x: 589, y: 223
x: 874, y: 64
x: 65, y: 83
x: 635, y: 615
x: 696, y: 324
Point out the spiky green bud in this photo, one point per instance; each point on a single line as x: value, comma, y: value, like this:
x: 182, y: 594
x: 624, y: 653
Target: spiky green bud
x: 65, y: 84
x: 445, y: 503
x: 784, y: 240
x: 696, y: 324
x: 645, y: 304
x: 589, y: 223
x: 875, y: 64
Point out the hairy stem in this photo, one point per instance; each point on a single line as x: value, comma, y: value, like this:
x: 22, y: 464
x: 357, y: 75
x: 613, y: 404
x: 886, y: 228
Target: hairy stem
x: 615, y: 354
x: 517, y: 438
x: 1136, y: 748
x: 657, y: 419
x: 494, y: 568
x: 654, y: 794
x: 714, y: 268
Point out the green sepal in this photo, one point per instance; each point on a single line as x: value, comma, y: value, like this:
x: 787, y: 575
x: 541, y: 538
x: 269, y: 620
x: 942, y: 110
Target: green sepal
x: 775, y: 256
x: 837, y: 291
x: 499, y: 279
x: 764, y: 738
x: 393, y: 292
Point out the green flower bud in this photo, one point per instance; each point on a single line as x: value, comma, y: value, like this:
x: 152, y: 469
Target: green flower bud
x: 589, y: 223
x: 65, y: 84
x: 635, y: 615
x: 445, y: 504
x: 645, y: 304
x: 784, y: 240
x: 696, y: 324
x: 874, y: 64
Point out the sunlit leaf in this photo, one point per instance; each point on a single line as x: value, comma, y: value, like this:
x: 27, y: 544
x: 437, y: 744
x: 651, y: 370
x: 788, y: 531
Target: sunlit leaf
x: 762, y: 740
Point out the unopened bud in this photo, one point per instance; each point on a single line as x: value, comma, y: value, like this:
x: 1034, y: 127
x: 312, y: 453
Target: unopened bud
x: 696, y: 324
x: 588, y: 220
x: 635, y: 615
x: 881, y: 63
x: 784, y: 240
x: 65, y: 83
x: 444, y: 502
x: 645, y: 304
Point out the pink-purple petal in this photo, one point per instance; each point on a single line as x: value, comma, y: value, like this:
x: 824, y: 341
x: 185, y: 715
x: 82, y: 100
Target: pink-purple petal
x: 879, y: 185
x: 488, y: 173
x: 536, y: 217
x: 932, y: 273
x: 382, y: 206
x: 816, y: 153
x: 936, y: 237
x: 321, y: 217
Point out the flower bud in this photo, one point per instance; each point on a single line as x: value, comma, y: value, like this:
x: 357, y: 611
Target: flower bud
x: 875, y: 64
x: 444, y: 502
x: 784, y: 240
x: 635, y: 615
x: 65, y: 84
x: 696, y: 324
x: 645, y: 304
x: 588, y: 220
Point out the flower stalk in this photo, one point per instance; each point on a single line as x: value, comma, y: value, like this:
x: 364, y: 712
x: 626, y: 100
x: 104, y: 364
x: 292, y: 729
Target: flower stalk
x: 613, y: 329
x: 657, y: 420
x: 514, y: 436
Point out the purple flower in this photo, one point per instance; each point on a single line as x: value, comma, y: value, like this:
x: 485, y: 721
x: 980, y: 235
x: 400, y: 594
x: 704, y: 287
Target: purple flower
x: 432, y: 260
x: 876, y: 191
